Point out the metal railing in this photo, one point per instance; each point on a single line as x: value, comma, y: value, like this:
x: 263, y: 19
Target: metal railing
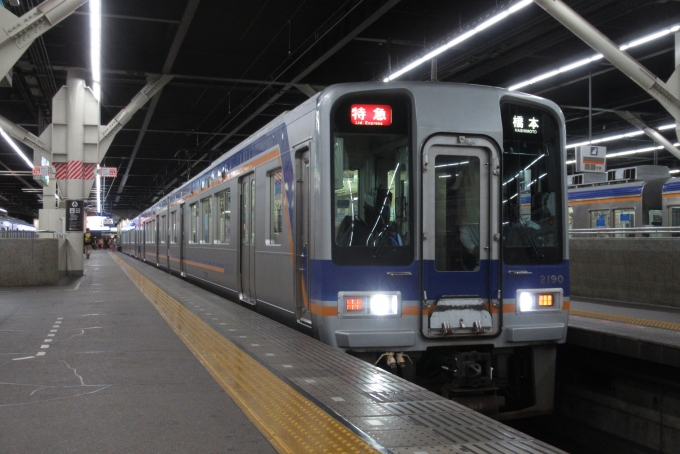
x: 29, y: 234
x: 631, y: 232
x: 18, y: 234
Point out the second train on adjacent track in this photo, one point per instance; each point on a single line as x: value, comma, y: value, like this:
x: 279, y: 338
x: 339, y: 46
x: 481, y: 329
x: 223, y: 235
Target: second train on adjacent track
x: 408, y: 221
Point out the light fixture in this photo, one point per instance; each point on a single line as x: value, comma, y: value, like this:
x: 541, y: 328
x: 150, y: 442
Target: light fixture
x: 2, y: 210
x: 459, y: 39
x: 630, y: 152
x: 96, y: 46
x: 586, y: 61
x: 618, y: 136
x: 16, y: 148
x: 99, y: 182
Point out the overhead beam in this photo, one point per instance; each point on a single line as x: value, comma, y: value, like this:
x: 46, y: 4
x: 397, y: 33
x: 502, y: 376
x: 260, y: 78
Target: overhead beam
x: 654, y: 86
x: 650, y: 132
x: 138, y: 18
x: 20, y: 32
x: 167, y: 66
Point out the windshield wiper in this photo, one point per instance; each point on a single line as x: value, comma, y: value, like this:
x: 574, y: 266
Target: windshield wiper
x: 531, y: 242
x: 381, y: 239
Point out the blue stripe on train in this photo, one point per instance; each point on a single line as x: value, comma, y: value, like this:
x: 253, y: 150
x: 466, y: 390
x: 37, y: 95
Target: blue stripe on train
x: 606, y: 192
x: 327, y: 279
x: 671, y: 186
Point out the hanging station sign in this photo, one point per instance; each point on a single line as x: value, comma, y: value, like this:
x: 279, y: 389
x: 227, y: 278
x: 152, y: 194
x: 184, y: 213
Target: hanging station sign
x: 591, y: 159
x: 371, y: 114
x: 108, y: 172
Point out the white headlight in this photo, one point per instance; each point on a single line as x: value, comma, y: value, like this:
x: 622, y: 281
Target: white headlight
x: 383, y: 304
x: 526, y: 301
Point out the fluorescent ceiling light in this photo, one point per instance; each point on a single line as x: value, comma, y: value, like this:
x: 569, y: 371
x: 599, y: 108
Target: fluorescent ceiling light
x: 16, y: 148
x: 96, y: 45
x: 586, y: 61
x: 674, y: 171
x: 459, y: 39
x: 618, y: 136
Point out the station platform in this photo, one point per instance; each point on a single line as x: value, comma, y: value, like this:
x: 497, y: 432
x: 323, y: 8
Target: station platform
x: 635, y: 330
x: 130, y: 359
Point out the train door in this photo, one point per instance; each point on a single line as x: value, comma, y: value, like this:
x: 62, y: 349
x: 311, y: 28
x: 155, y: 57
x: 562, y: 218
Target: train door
x: 247, y: 262
x: 182, y: 244
x: 302, y: 239
x: 456, y: 241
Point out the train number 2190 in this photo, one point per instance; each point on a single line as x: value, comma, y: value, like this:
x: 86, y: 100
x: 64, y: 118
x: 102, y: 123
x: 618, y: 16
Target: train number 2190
x: 552, y: 279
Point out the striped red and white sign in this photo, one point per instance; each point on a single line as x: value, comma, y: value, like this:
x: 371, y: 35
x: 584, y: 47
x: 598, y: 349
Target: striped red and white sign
x: 75, y: 170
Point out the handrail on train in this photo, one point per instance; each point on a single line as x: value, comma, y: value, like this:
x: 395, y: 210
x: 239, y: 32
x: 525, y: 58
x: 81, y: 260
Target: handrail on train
x: 630, y: 232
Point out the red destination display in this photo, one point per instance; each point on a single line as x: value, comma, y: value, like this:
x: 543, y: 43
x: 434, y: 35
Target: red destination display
x: 371, y: 114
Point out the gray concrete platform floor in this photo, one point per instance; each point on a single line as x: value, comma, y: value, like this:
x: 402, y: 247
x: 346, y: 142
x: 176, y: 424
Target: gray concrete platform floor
x: 90, y: 366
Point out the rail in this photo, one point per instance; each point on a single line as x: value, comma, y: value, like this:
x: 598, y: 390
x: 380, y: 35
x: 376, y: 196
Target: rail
x: 631, y: 232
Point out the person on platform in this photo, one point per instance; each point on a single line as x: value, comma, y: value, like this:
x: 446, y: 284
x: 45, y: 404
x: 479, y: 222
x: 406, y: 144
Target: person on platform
x: 87, y: 240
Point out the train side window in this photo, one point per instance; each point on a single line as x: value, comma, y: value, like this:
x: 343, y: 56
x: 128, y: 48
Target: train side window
x: 173, y: 227
x: 193, y: 238
x: 162, y: 229
x: 275, y: 207
x: 224, y: 217
x: 674, y: 216
x: 599, y: 219
x: 206, y: 227
x: 624, y: 218
x: 655, y: 218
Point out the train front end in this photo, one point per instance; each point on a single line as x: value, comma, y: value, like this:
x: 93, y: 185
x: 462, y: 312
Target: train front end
x: 439, y: 243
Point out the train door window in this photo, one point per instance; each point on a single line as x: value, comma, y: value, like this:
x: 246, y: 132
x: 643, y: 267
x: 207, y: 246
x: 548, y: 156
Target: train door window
x: 656, y: 218
x: 247, y: 210
x: 599, y: 219
x: 206, y: 227
x: 224, y: 217
x: 173, y: 227
x: 457, y: 208
x: 275, y: 207
x: 162, y: 229
x: 252, y: 211
x: 194, y: 222
x: 674, y: 216
x: 624, y: 218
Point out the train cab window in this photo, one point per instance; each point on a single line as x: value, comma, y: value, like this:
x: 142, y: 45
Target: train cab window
x: 224, y: 217
x: 371, y: 177
x: 275, y: 208
x: 194, y: 222
x: 599, y: 219
x: 457, y: 208
x: 206, y: 225
x: 532, y: 187
x: 173, y: 227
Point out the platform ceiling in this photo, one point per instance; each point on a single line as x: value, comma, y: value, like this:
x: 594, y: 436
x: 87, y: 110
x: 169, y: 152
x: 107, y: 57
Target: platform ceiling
x: 233, y: 62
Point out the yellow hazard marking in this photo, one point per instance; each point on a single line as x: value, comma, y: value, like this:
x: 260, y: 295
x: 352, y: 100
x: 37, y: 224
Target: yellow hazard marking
x: 291, y: 422
x: 624, y: 319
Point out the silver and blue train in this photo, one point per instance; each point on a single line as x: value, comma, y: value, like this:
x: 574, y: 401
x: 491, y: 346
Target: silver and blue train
x: 634, y: 197
x: 406, y: 223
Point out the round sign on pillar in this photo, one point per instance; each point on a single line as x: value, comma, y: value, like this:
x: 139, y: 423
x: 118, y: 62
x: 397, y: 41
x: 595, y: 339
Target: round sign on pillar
x: 75, y: 215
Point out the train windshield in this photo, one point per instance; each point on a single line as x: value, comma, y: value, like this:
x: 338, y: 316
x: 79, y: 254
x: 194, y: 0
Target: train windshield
x: 371, y: 178
x: 532, y: 186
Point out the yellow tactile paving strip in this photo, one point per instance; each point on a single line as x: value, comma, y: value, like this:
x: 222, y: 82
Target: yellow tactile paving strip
x: 624, y: 319
x: 291, y: 422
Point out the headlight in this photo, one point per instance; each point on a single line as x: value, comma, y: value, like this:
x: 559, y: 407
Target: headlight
x: 367, y: 304
x: 381, y: 304
x: 539, y: 300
